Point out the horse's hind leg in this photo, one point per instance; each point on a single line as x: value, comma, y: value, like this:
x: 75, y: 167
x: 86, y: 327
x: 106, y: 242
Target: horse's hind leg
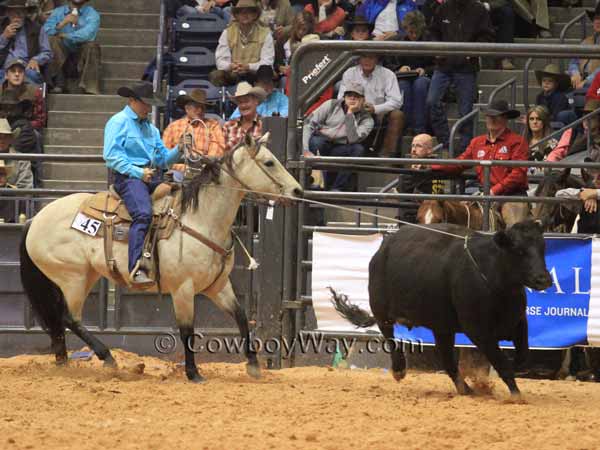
x: 397, y: 353
x: 227, y: 301
x: 444, y: 344
x: 75, y: 294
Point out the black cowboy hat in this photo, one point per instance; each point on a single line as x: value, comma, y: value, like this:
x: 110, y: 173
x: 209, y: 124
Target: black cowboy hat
x: 552, y: 71
x: 265, y: 73
x: 500, y: 108
x: 142, y: 91
x: 593, y: 12
x: 359, y: 20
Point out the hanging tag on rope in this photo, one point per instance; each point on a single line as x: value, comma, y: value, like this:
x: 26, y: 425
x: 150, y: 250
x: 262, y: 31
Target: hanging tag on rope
x: 270, y: 210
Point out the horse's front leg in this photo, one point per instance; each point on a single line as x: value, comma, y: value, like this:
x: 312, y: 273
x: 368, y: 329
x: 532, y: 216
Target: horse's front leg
x: 183, y: 302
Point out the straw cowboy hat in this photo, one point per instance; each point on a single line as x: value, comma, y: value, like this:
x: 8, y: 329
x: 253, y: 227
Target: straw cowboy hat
x: 500, y: 108
x: 245, y: 88
x: 6, y: 129
x: 7, y: 169
x: 143, y: 92
x: 196, y: 96
x: 246, y: 4
x: 310, y: 38
x: 552, y: 71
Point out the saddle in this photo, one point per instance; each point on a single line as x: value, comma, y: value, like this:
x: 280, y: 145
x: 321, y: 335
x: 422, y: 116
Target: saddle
x: 108, y: 208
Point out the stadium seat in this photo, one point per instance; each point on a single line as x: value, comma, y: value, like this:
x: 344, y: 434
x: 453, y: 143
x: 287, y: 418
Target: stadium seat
x: 191, y: 62
x: 199, y: 30
x: 213, y: 96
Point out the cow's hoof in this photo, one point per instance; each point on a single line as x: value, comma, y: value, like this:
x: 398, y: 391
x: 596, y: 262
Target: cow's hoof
x: 196, y: 378
x: 399, y: 374
x: 253, y: 370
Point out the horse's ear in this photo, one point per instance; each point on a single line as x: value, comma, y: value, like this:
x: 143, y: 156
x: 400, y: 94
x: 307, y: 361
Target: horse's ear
x: 250, y: 145
x: 264, y: 139
x: 587, y: 178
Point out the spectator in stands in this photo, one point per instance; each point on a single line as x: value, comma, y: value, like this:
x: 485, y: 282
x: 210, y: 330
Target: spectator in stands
x: 276, y: 103
x: 7, y: 207
x: 554, y: 83
x: 537, y: 128
x: 24, y: 39
x: 383, y: 99
x: 571, y: 142
x: 185, y: 8
x: 359, y: 29
x: 414, y: 73
x: 302, y: 25
x: 72, y: 29
x: 208, y: 135
x: 583, y: 71
x: 278, y: 15
x: 43, y: 9
x: 534, y: 12
x: 503, y: 20
x: 15, y: 84
x: 20, y: 176
x: 456, y: 21
x: 500, y: 143
x: 386, y: 16
x: 329, y: 17
x: 247, y: 98
x: 421, y: 148
x: 244, y: 46
x: 337, y: 128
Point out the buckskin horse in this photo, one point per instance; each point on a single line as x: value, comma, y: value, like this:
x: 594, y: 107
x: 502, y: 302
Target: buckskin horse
x: 59, y: 265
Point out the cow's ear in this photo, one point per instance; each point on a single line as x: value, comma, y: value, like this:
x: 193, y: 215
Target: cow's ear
x: 503, y: 240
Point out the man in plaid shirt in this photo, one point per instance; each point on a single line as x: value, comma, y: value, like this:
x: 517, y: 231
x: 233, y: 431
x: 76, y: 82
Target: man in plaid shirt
x: 247, y: 98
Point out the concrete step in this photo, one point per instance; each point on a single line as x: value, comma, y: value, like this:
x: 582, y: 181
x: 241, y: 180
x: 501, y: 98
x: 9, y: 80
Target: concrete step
x: 110, y: 85
x: 65, y: 137
x: 574, y: 32
x: 552, y: 40
x: 135, y: 53
x: 113, y: 69
x: 128, y: 6
x: 78, y: 185
x: 67, y: 171
x: 127, y: 36
x: 73, y: 102
x: 73, y: 149
x: 564, y: 15
x: 77, y: 119
x: 124, y: 20
x: 487, y: 76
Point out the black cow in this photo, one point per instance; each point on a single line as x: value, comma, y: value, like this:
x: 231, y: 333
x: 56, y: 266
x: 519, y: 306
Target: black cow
x: 420, y: 277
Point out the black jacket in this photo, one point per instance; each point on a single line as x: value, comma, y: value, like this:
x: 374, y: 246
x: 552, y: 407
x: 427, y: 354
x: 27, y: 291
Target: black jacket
x: 555, y: 102
x: 461, y: 21
x: 414, y: 62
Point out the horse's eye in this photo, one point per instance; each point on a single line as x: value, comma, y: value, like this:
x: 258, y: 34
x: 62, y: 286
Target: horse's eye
x: 269, y: 163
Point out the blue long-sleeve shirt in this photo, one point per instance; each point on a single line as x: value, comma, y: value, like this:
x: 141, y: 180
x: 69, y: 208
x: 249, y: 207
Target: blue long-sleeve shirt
x: 75, y: 35
x: 20, y: 51
x: 276, y: 102
x: 130, y: 144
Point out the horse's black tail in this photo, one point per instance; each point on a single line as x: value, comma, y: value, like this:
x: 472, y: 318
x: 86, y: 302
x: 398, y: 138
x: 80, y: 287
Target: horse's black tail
x: 350, y: 312
x: 46, y: 298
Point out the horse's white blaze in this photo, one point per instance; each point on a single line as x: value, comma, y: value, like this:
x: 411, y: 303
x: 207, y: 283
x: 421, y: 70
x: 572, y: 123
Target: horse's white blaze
x: 428, y: 216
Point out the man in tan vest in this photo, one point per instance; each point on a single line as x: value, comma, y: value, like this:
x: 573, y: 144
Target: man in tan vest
x: 244, y: 46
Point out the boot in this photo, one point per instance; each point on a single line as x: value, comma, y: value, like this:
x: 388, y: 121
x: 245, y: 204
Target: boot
x: 393, y: 134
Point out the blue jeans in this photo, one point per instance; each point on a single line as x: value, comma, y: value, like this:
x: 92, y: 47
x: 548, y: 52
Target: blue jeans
x: 465, y: 90
x: 223, y: 13
x: 338, y: 181
x: 415, y: 102
x: 136, y: 196
x: 31, y: 76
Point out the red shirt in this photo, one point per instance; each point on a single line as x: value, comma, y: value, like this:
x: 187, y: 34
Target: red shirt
x: 593, y: 92
x: 508, y: 146
x: 334, y: 20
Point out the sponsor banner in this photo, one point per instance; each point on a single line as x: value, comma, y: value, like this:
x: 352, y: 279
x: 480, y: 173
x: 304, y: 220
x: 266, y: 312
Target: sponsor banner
x: 311, y: 67
x: 566, y: 314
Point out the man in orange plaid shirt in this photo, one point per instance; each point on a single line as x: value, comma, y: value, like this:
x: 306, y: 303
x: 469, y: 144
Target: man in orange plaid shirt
x: 208, y: 135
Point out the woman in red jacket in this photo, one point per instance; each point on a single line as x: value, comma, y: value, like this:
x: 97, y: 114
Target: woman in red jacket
x: 329, y: 17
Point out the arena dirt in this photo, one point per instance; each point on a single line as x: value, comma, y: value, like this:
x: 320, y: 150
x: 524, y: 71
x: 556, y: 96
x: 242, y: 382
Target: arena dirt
x: 147, y: 404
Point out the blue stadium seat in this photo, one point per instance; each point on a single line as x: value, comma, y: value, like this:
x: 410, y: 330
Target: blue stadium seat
x: 191, y: 62
x: 201, y: 30
x: 213, y: 96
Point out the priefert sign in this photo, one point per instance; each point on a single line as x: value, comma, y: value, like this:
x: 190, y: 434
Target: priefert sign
x: 318, y: 67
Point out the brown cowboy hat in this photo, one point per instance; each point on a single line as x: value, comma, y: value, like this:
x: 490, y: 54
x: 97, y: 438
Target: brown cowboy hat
x: 592, y: 13
x: 143, y: 92
x: 246, y: 4
x: 358, y: 21
x: 196, y: 96
x: 552, y: 71
x: 500, y: 108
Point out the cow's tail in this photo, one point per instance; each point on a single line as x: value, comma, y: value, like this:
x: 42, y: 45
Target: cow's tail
x: 352, y: 313
x: 46, y: 298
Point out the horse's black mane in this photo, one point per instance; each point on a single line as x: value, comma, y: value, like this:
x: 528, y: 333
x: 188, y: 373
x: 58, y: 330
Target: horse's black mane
x: 209, y: 174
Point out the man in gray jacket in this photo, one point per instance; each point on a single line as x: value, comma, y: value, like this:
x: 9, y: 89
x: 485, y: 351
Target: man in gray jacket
x: 337, y: 128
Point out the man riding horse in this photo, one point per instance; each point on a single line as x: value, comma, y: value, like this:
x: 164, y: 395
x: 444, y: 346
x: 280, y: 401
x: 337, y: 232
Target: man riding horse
x: 502, y: 144
x: 134, y: 150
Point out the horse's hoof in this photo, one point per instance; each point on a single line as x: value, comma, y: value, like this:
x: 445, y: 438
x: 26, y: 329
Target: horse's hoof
x: 399, y: 374
x: 254, y: 371
x: 62, y: 361
x: 196, y: 378
x: 464, y: 389
x: 110, y: 363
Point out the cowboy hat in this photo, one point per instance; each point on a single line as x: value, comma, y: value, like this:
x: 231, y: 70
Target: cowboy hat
x: 245, y: 88
x: 310, y: 38
x: 593, y: 12
x: 500, y: 108
x: 6, y: 168
x: 143, y: 92
x: 196, y: 96
x: 5, y: 128
x: 358, y: 21
x: 552, y: 71
x: 265, y: 73
x: 245, y: 4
